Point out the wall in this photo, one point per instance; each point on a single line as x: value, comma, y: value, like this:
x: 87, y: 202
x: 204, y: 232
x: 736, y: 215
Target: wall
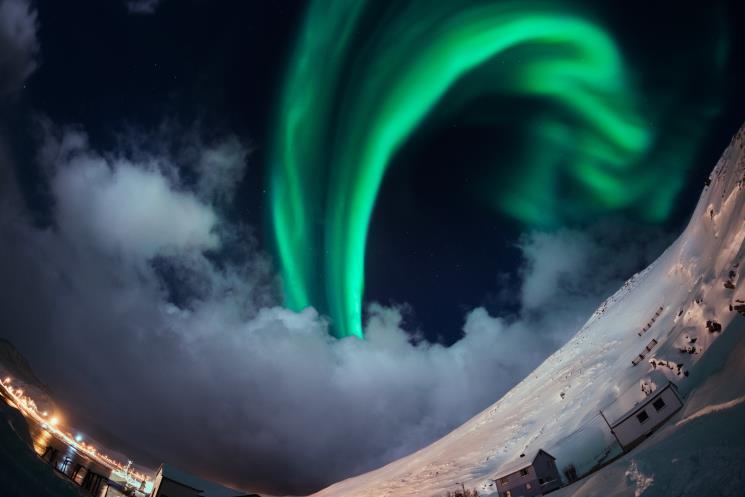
x: 545, y: 468
x: 631, y: 430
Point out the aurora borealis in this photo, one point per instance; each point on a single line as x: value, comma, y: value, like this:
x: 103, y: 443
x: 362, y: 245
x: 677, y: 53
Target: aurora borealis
x: 357, y: 89
x: 315, y: 236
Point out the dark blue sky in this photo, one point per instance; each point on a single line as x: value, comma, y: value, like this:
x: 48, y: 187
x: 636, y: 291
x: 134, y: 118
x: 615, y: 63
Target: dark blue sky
x: 432, y: 243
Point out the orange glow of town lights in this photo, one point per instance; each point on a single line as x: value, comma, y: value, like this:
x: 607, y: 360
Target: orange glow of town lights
x: 52, y: 427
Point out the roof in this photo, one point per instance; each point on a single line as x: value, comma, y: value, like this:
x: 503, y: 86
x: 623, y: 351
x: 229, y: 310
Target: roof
x: 205, y: 488
x: 525, y: 460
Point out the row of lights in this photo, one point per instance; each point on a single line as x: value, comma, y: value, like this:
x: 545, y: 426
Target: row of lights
x: 29, y: 406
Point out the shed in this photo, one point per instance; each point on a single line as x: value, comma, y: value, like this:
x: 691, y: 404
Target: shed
x: 172, y: 482
x: 644, y: 418
x: 530, y: 475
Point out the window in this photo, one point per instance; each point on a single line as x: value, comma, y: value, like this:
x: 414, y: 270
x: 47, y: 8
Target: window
x: 505, y: 480
x: 528, y: 486
x: 642, y: 416
x: 524, y: 472
x: 508, y: 494
x: 540, y: 481
x: 658, y: 404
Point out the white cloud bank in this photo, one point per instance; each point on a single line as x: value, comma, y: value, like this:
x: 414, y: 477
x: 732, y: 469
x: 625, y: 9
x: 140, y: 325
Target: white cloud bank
x: 136, y: 310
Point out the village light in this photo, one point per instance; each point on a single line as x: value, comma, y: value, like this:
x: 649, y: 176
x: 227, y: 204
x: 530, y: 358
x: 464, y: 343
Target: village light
x: 54, y: 421
x: 7, y: 380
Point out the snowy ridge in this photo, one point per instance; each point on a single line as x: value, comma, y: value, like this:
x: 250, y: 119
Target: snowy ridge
x: 660, y: 313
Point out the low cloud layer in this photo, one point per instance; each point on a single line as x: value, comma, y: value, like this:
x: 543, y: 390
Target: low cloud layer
x: 147, y: 311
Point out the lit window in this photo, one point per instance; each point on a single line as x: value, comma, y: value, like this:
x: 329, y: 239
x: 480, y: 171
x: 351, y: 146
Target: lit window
x: 508, y: 494
x: 524, y: 472
x: 528, y: 486
x: 658, y: 404
x: 642, y: 416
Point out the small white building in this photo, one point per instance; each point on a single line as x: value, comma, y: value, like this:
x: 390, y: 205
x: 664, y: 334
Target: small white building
x: 529, y: 476
x: 644, y: 418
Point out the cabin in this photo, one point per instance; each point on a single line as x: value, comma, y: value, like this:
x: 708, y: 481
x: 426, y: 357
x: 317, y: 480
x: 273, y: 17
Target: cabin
x: 531, y: 475
x: 644, y: 418
x: 172, y: 482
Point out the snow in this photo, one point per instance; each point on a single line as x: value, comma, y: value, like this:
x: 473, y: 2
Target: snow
x: 557, y: 407
x: 640, y: 481
x: 712, y: 409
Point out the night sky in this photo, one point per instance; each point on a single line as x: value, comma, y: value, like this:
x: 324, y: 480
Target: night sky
x: 432, y: 234
x: 148, y: 150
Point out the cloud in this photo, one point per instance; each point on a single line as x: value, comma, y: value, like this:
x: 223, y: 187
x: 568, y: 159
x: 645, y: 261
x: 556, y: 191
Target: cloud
x: 18, y: 44
x: 574, y: 264
x: 143, y: 6
x: 220, y: 169
x: 129, y: 208
x: 148, y: 312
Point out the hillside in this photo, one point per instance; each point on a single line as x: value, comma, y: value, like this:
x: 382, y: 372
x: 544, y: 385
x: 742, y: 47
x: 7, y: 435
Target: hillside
x: 557, y: 407
x: 14, y: 364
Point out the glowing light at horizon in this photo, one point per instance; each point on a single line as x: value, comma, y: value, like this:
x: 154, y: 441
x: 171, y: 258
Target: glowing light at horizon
x: 28, y: 408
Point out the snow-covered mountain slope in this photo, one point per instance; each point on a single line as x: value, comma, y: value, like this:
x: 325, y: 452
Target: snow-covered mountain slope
x: 557, y: 407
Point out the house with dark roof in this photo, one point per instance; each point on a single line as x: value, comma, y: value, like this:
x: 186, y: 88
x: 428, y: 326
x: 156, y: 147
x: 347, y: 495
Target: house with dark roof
x: 530, y: 475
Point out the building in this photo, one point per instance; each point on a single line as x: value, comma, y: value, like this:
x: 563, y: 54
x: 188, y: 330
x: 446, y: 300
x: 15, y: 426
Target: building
x: 644, y: 418
x: 529, y: 476
x: 74, y: 465
x: 172, y: 482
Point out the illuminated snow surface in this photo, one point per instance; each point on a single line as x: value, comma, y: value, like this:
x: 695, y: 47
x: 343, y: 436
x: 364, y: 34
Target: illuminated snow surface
x: 700, y: 451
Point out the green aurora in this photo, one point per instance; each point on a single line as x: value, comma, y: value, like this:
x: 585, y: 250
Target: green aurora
x: 356, y: 90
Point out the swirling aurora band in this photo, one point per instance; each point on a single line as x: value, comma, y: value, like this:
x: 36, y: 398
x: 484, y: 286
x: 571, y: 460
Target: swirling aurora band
x: 344, y: 113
